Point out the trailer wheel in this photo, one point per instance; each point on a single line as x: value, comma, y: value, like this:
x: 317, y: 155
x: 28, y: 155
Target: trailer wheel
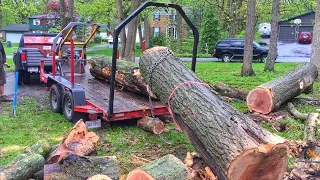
x: 56, y: 95
x: 68, y: 109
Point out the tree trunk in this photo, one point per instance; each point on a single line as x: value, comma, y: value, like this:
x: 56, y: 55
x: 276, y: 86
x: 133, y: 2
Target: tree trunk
x: 140, y: 34
x: 233, y: 25
x: 128, y: 74
x: 41, y: 147
x: 248, y: 45
x: 272, y: 55
x: 149, y: 124
x: 24, y: 168
x: 315, y: 57
x: 63, y: 15
x: 271, y: 95
x: 146, y: 32
x: 78, y: 141
x: 71, y: 10
x: 168, y: 167
x: 230, y: 142
x: 120, y: 17
x: 79, y: 167
x: 226, y: 90
x: 129, y: 53
x: 179, y: 32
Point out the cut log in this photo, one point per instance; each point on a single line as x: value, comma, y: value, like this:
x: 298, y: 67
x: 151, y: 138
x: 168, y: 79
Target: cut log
x: 230, y: 142
x: 167, y: 168
x: 78, y: 141
x: 139, y: 161
x: 314, y: 101
x: 270, y: 96
x: 99, y: 177
x: 24, y: 168
x: 310, y: 127
x: 149, y: 124
x: 127, y: 75
x: 83, y: 167
x: 226, y: 90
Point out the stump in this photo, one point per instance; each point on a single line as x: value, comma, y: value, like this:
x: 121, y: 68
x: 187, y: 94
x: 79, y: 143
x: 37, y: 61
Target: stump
x: 149, y: 124
x: 167, y: 168
x: 83, y: 167
x: 128, y: 75
x: 23, y: 168
x: 271, y: 95
x: 230, y: 142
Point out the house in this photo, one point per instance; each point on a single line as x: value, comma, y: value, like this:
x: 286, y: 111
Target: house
x: 13, y: 32
x: 289, y: 31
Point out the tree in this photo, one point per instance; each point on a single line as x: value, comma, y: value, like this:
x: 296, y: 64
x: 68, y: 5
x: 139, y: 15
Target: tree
x: 120, y: 17
x: 129, y: 51
x: 71, y: 10
x: 315, y: 57
x: 248, y: 45
x: 63, y: 13
x: 209, y: 32
x: 272, y: 55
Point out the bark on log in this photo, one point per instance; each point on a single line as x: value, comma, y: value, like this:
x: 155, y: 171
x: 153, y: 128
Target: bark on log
x: 230, y: 142
x: 83, y: 167
x: 149, y: 124
x: 78, y: 141
x: 270, y: 96
x: 167, y: 168
x: 231, y: 92
x: 296, y: 113
x: 24, y: 168
x: 128, y: 74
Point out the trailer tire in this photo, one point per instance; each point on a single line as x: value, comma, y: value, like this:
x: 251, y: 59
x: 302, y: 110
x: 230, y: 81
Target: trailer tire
x: 68, y: 109
x: 56, y: 94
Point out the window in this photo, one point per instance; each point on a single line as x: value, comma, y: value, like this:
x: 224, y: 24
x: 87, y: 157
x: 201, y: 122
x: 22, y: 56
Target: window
x: 172, y: 32
x: 223, y: 44
x: 238, y: 44
x: 156, y: 30
x: 36, y: 22
x: 156, y: 16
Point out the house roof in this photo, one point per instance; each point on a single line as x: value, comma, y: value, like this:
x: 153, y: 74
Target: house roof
x: 16, y: 27
x: 298, y: 16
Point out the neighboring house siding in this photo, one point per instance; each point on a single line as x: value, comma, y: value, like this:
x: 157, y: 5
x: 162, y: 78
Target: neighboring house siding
x: 287, y: 28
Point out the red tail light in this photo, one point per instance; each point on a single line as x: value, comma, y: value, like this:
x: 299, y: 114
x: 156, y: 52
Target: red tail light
x: 23, y: 57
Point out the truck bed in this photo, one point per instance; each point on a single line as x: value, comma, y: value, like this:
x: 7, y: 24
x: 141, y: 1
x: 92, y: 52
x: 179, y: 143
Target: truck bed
x: 97, y: 91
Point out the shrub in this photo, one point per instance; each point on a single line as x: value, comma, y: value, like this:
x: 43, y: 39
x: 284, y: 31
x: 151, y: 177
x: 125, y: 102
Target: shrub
x: 158, y: 40
x: 98, y: 39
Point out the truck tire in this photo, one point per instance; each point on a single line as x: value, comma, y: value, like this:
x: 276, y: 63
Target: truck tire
x: 263, y: 58
x: 68, y: 109
x: 56, y: 95
x: 226, y: 57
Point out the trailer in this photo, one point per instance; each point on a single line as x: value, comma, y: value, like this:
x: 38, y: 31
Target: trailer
x: 80, y: 96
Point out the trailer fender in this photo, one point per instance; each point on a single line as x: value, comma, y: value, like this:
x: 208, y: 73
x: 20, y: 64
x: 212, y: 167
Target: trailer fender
x: 78, y: 96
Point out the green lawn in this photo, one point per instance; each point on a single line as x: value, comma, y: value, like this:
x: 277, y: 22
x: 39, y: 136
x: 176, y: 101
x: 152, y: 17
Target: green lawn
x: 35, y: 121
x: 11, y: 64
x: 9, y: 51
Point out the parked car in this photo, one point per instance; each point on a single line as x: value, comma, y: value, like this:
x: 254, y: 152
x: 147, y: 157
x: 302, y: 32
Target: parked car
x: 233, y: 49
x: 264, y: 30
x: 305, y: 37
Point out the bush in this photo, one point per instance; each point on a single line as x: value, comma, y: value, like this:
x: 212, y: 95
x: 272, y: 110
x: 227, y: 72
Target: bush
x: 98, y: 39
x: 158, y: 40
x: 242, y: 34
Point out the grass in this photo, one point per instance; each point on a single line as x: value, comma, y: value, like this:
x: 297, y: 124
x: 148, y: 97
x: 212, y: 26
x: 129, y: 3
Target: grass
x: 9, y: 51
x: 11, y: 64
x: 35, y: 121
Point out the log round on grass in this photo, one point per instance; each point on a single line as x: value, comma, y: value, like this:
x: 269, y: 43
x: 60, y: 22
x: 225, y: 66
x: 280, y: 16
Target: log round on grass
x: 24, y: 168
x: 271, y: 95
x: 127, y: 75
x: 230, y: 142
x: 167, y: 168
x: 155, y: 126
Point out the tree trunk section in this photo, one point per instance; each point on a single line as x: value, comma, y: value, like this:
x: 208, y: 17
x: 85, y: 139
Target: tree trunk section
x: 129, y: 52
x: 63, y: 15
x: 149, y: 124
x: 226, y: 90
x: 233, y: 25
x: 24, y: 168
x: 315, y: 57
x: 230, y: 142
x: 79, y: 167
x: 248, y: 45
x: 271, y: 95
x: 168, y: 167
x: 128, y: 74
x: 120, y: 17
x: 78, y: 141
x: 71, y: 10
x: 179, y: 32
x: 310, y: 127
x: 146, y: 32
x: 140, y: 34
x: 272, y: 55
x: 41, y: 147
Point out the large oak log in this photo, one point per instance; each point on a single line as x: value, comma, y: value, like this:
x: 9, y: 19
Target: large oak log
x: 127, y: 75
x: 82, y: 167
x: 155, y: 125
x: 167, y: 168
x: 271, y: 95
x: 230, y: 142
x: 78, y: 141
x: 23, y: 168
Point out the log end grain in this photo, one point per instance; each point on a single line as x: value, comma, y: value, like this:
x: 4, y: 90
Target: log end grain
x: 266, y: 162
x: 260, y: 100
